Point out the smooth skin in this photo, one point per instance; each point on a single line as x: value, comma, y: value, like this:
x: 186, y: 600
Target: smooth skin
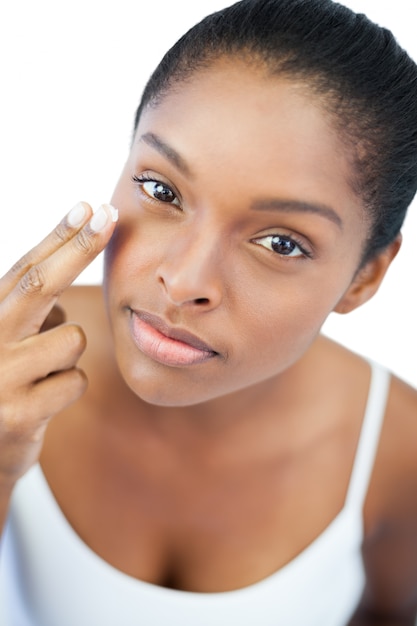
x: 212, y: 476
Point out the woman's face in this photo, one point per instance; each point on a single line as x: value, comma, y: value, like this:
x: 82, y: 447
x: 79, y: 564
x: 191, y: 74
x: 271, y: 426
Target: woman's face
x: 237, y: 225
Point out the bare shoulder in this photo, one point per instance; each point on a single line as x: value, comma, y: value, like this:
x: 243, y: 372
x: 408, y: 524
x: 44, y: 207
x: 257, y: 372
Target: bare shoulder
x: 403, y: 403
x: 396, y: 462
x: 390, y: 510
x: 400, y: 421
x: 81, y: 302
x: 390, y: 542
x: 392, y: 493
x: 84, y: 305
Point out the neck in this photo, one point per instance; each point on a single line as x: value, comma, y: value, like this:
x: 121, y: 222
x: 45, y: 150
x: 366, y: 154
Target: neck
x: 247, y: 410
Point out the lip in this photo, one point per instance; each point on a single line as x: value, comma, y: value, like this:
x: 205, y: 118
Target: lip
x: 165, y: 344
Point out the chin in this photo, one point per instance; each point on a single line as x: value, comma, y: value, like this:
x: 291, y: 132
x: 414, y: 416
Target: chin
x: 175, y: 396
x: 168, y: 386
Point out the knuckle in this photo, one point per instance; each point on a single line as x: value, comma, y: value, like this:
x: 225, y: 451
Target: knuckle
x: 76, y: 383
x: 32, y: 282
x: 84, y: 243
x: 68, y: 385
x: 12, y: 424
x: 61, y: 232
x: 10, y: 369
x: 22, y: 433
x: 75, y: 337
x: 21, y: 265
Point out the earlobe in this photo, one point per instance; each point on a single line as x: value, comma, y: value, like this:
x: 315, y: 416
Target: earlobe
x: 367, y: 281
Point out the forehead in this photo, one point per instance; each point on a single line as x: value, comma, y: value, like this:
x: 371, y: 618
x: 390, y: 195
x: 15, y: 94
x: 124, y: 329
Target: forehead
x: 234, y: 118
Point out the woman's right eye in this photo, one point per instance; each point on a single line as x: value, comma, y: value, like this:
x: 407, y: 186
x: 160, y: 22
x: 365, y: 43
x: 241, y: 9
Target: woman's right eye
x: 157, y: 190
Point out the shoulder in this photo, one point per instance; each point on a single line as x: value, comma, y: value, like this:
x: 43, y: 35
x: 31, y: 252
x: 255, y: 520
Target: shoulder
x: 392, y: 496
x: 402, y: 405
x: 84, y: 305
x: 81, y: 301
x: 396, y: 462
x: 351, y: 372
x: 390, y: 542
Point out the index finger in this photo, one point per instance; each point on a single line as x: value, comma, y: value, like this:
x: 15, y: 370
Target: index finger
x: 26, y: 307
x: 63, y: 232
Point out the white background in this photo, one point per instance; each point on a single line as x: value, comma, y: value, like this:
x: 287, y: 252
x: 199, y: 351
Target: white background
x: 71, y: 74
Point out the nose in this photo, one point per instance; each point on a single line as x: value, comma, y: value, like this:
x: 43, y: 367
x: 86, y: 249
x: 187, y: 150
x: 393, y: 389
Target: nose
x: 190, y: 272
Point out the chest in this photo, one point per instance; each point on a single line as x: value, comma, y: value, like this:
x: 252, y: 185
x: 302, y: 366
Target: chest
x: 327, y: 576
x: 192, y: 527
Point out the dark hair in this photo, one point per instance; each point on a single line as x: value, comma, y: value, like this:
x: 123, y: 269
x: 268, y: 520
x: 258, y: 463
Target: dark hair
x: 366, y: 81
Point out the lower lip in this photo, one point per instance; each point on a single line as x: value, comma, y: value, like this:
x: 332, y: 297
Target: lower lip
x: 163, y: 349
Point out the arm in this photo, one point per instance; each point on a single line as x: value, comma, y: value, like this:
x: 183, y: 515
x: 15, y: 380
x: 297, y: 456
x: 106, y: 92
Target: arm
x: 390, y: 545
x: 38, y: 372
x: 389, y: 598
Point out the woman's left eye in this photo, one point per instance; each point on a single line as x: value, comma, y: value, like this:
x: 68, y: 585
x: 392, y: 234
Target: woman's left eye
x: 282, y: 245
x: 157, y: 190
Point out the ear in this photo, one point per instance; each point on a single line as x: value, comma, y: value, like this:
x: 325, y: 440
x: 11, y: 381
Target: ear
x: 368, y: 279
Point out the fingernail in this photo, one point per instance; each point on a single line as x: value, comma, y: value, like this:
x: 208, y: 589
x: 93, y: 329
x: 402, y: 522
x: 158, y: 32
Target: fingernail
x: 113, y: 212
x: 101, y: 217
x: 99, y: 220
x: 77, y: 215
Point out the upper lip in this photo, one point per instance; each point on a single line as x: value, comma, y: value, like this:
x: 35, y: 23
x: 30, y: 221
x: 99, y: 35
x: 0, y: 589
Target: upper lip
x: 179, y: 334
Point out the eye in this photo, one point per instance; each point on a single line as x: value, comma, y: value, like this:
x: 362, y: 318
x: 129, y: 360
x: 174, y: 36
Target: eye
x: 282, y: 245
x: 157, y: 190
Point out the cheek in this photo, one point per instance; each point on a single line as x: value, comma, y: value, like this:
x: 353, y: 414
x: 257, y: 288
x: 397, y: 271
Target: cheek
x: 131, y: 255
x: 280, y: 318
x: 279, y: 328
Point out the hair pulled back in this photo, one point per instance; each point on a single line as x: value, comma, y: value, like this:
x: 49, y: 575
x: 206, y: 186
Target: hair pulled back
x: 364, y: 79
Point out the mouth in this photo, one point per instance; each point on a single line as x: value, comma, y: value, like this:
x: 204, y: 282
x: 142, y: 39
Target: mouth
x: 175, y: 347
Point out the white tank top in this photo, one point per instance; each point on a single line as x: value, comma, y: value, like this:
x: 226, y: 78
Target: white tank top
x: 49, y: 577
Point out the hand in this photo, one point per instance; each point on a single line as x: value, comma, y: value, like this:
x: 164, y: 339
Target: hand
x: 39, y: 354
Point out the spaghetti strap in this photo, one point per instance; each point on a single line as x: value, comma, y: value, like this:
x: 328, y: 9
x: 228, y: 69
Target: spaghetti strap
x: 369, y: 436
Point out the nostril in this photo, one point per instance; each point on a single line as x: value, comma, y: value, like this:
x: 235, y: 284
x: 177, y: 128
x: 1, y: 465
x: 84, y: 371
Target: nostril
x: 201, y: 300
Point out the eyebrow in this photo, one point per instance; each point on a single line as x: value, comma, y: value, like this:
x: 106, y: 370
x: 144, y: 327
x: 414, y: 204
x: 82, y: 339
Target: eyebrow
x: 167, y: 151
x: 298, y: 206
x: 273, y: 204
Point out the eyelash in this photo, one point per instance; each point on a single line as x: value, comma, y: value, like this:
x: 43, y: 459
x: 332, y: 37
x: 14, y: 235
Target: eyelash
x: 146, y: 178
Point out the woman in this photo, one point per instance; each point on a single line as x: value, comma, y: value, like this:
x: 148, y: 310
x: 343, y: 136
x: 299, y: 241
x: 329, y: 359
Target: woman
x: 218, y: 467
